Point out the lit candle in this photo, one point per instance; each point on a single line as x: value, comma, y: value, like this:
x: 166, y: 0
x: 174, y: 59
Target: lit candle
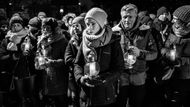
x: 93, y: 71
x: 41, y: 60
x: 27, y: 46
x: 172, y: 54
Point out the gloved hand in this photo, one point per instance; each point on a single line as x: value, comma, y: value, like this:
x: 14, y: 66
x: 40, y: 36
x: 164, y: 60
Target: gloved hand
x: 135, y: 50
x: 84, y: 81
x: 16, y: 39
x: 12, y: 47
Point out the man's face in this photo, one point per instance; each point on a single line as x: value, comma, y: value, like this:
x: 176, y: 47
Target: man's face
x: 129, y: 18
x: 179, y: 27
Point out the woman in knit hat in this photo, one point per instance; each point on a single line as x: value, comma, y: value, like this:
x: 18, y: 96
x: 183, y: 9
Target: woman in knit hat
x: 50, y: 59
x: 99, y: 61
x: 177, y: 51
x: 17, y: 55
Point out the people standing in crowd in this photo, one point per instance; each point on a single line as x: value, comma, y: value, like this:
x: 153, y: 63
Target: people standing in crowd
x: 138, y: 47
x: 3, y: 32
x: 34, y: 27
x: 70, y: 55
x: 68, y: 18
x: 17, y: 52
x: 99, y: 61
x: 50, y: 59
x: 177, y: 55
x: 163, y: 22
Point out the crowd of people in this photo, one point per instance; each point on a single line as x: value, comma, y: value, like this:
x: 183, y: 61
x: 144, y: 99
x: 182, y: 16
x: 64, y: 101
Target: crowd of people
x: 84, y: 61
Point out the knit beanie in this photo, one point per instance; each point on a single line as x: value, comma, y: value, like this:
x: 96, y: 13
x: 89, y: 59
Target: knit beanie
x: 52, y: 22
x: 183, y: 13
x: 161, y: 11
x: 42, y: 14
x: 99, y: 15
x: 16, y: 19
x: 35, y: 22
x: 79, y: 20
x: 83, y: 14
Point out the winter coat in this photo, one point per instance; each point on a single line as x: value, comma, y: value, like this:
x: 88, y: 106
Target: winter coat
x: 182, y: 58
x: 18, y: 63
x: 17, y: 60
x: 142, y: 39
x: 55, y: 76
x: 110, y: 60
x: 163, y: 27
x: 70, y: 55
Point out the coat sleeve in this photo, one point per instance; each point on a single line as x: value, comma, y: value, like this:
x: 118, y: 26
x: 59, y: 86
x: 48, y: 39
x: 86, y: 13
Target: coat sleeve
x: 150, y: 52
x: 4, y: 54
x: 69, y: 55
x: 79, y: 65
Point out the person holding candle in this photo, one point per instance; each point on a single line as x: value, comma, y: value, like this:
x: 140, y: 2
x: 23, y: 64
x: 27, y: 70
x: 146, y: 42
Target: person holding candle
x: 50, y: 59
x: 177, y: 53
x: 138, y: 47
x: 99, y: 61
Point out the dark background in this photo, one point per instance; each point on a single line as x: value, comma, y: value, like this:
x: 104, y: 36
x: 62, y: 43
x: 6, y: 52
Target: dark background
x: 112, y: 7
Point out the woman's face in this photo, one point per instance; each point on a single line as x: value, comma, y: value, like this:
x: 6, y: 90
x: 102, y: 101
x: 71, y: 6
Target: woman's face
x: 16, y: 27
x: 46, y: 29
x: 92, y: 27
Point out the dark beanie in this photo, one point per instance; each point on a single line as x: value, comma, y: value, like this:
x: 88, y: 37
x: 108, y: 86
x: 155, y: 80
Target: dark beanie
x: 161, y: 10
x: 52, y: 22
x: 16, y: 19
x: 145, y: 19
x: 35, y: 22
x: 79, y: 20
x: 183, y: 13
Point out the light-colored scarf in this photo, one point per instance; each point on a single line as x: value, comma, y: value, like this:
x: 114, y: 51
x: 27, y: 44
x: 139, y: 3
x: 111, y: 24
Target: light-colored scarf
x: 90, y: 42
x: 15, y: 38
